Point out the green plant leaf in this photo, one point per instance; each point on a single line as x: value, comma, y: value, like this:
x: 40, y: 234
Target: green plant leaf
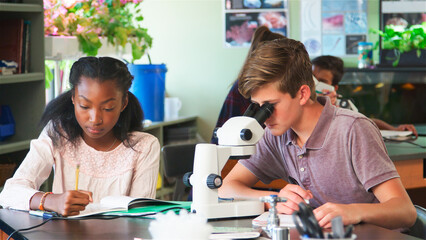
x: 48, y: 76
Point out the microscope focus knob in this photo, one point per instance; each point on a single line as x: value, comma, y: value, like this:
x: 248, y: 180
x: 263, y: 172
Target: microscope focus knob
x: 246, y: 134
x: 215, y: 133
x: 214, y: 181
x: 185, y: 179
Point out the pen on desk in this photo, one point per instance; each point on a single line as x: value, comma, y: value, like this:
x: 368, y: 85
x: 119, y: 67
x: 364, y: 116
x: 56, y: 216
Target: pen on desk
x: 41, y: 214
x: 294, y: 181
x: 77, y: 173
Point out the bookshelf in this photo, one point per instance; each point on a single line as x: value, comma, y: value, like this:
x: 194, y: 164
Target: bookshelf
x: 24, y: 93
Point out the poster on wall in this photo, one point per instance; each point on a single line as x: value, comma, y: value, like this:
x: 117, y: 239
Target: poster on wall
x: 243, y: 17
x: 333, y: 27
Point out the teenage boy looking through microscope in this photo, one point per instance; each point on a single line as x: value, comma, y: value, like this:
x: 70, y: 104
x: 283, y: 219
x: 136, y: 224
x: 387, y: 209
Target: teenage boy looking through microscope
x: 337, y: 156
x: 329, y: 69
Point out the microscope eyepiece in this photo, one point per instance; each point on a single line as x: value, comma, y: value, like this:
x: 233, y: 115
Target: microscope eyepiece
x: 251, y: 110
x: 264, y: 112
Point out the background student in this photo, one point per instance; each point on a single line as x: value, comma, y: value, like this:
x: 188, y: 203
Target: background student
x: 93, y: 131
x: 235, y: 104
x: 329, y: 69
x: 337, y: 156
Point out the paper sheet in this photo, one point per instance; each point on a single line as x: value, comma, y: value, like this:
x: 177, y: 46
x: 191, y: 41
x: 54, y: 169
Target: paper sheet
x: 390, y: 134
x: 285, y: 220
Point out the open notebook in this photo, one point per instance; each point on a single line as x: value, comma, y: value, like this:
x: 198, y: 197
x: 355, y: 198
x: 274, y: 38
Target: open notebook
x: 285, y: 220
x: 128, y: 206
x: 389, y: 133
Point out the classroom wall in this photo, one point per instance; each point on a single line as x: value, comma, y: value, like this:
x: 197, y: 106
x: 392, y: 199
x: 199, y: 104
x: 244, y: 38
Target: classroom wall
x: 188, y: 37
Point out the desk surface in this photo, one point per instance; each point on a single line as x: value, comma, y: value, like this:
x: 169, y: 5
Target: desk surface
x: 406, y: 151
x: 129, y: 228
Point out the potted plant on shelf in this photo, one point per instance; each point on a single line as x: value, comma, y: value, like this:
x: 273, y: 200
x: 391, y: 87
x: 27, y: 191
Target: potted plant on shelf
x: 116, y: 20
x: 119, y: 22
x: 402, y: 46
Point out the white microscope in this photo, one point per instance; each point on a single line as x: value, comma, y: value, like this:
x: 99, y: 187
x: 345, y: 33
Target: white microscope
x: 237, y: 139
x: 341, y: 102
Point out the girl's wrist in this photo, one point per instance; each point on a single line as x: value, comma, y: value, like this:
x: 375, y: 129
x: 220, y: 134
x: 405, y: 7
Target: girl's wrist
x: 41, y: 206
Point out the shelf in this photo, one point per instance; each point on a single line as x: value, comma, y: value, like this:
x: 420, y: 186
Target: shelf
x: 387, y: 69
x: 21, y: 78
x: 20, y: 7
x: 355, y: 76
x: 155, y: 125
x: 8, y: 147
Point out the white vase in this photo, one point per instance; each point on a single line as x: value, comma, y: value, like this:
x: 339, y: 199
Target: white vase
x: 61, y: 47
x: 67, y: 47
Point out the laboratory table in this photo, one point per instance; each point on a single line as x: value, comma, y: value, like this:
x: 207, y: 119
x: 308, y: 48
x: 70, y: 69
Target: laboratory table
x: 130, y: 228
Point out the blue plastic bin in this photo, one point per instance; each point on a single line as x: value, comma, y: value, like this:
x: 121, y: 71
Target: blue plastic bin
x: 149, y: 87
x: 7, y: 123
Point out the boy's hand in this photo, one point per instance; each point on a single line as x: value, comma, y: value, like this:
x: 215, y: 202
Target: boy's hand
x: 331, y: 95
x: 325, y: 213
x: 69, y: 203
x: 407, y: 127
x: 294, y: 194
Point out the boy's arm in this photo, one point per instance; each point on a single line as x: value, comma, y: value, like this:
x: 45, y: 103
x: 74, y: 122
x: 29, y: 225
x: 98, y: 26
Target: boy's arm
x: 382, y: 125
x: 238, y: 183
x: 395, y: 209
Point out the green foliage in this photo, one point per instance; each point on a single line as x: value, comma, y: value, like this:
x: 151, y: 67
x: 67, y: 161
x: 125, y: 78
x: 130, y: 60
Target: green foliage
x: 402, y: 39
x: 48, y: 76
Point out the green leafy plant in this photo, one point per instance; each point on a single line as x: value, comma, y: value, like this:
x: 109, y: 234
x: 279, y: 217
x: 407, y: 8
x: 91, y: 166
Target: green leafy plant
x: 117, y: 20
x: 402, y: 39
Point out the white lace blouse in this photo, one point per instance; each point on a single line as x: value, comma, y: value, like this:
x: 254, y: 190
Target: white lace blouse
x: 120, y: 171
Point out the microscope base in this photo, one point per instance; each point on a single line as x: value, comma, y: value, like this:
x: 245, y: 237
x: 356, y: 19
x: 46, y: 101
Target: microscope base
x: 229, y: 209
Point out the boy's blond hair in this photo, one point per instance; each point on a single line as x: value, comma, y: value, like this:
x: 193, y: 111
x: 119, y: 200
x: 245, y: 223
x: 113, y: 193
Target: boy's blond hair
x: 284, y: 61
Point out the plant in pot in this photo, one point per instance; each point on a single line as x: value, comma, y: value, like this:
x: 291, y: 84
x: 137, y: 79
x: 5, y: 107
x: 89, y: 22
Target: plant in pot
x: 119, y: 22
x: 399, y: 42
x: 116, y: 20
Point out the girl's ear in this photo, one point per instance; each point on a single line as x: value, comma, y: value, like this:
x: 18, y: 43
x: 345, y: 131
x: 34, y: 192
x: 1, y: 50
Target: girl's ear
x: 72, y: 99
x: 304, y: 94
x: 125, y: 102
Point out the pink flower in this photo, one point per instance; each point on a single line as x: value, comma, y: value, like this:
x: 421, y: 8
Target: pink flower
x: 68, y: 3
x: 80, y: 29
x: 47, y: 4
x: 62, y: 10
x: 54, y: 30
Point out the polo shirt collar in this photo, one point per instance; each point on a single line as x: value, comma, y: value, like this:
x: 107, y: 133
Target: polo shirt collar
x: 317, y: 138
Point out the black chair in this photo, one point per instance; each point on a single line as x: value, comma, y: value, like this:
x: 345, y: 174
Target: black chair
x: 178, y: 160
x: 419, y: 228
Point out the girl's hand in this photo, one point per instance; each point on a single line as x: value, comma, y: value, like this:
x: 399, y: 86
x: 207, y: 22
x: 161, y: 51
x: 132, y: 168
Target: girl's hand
x: 294, y: 194
x: 69, y: 203
x: 325, y: 213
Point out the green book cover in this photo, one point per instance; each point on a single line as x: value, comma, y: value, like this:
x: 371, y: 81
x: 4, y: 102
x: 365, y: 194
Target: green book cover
x: 175, y: 206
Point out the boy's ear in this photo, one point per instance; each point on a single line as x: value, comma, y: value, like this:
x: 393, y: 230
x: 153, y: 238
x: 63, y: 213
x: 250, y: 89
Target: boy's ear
x: 336, y: 88
x: 304, y: 94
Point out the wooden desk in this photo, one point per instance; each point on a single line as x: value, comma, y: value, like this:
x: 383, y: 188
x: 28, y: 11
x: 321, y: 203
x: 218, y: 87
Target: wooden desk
x: 129, y: 228
x: 409, y: 160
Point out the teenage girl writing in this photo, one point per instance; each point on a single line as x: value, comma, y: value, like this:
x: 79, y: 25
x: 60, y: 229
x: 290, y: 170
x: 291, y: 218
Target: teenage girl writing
x: 95, y: 127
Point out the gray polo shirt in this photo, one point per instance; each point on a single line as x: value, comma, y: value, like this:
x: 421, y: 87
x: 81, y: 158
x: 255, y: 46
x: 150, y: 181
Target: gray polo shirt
x: 344, y: 157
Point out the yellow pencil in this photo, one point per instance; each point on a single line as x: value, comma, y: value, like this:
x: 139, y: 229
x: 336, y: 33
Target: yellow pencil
x: 77, y: 171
